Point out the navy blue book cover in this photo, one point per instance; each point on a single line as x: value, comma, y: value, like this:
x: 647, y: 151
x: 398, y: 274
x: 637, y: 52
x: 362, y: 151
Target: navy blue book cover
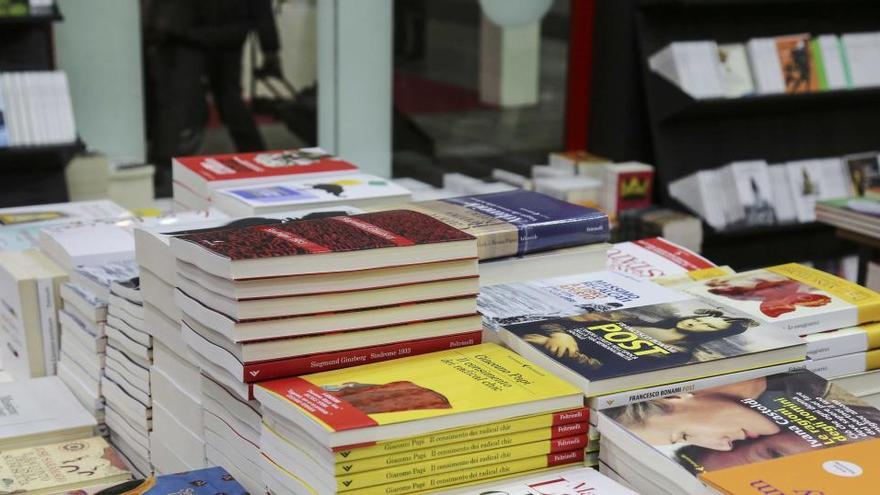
x: 521, y: 222
x: 636, y: 340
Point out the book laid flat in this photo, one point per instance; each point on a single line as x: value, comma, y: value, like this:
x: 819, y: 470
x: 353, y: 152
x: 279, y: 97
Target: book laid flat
x: 326, y: 245
x: 92, y: 243
x: 61, y: 466
x: 97, y: 279
x: 416, y: 395
x: 208, y: 481
x: 681, y: 440
x: 20, y: 226
x: 794, y: 298
x: 201, y: 174
x: 555, y: 263
x: 40, y: 410
x: 361, y: 190
x: 569, y: 481
x: 655, y: 257
x: 517, y: 223
x: 597, y: 292
x: 651, y: 345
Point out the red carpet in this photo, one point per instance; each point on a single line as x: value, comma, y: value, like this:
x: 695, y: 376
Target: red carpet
x: 415, y: 94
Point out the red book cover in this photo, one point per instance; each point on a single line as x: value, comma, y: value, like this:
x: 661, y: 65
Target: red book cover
x: 385, y: 229
x: 303, y: 365
x: 239, y: 166
x: 683, y: 257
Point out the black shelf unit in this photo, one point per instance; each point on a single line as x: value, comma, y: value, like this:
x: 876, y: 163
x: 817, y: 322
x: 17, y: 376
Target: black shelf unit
x: 681, y: 135
x: 32, y: 174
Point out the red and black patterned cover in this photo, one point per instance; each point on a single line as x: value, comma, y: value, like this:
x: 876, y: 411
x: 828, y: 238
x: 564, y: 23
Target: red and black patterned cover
x: 384, y: 229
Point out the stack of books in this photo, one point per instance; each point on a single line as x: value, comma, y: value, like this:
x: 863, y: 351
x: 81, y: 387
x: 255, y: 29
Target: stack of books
x: 417, y: 424
x: 774, y: 434
x: 849, y: 357
x: 20, y: 226
x: 83, y: 336
x: 563, y: 481
x: 197, y: 177
x: 29, y: 296
x: 129, y: 411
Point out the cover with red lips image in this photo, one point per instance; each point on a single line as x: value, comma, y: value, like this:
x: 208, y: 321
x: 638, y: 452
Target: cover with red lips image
x: 385, y: 229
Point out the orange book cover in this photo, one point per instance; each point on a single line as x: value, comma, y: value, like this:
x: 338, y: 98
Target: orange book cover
x: 798, y: 68
x: 845, y: 470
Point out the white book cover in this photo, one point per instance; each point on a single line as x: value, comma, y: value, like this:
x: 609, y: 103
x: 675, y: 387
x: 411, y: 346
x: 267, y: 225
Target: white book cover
x: 654, y: 258
x: 735, y: 72
x: 88, y: 244
x: 20, y: 226
x: 835, y: 179
x: 691, y: 65
x: 312, y: 192
x: 573, y: 481
x: 4, y: 116
x: 766, y: 66
x: 782, y: 194
x: 831, y: 52
x: 863, y: 56
x: 805, y: 185
x: 754, y: 193
x: 598, y: 292
x: 39, y: 406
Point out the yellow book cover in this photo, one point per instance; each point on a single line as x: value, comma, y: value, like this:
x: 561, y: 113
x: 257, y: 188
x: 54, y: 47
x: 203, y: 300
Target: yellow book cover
x: 503, y: 469
x: 60, y: 467
x: 849, y: 469
x: 565, y: 423
x: 794, y: 298
x: 431, y: 467
x: 435, y: 385
x: 558, y: 436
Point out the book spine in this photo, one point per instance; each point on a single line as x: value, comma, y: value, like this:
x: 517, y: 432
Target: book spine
x: 558, y: 436
x: 848, y: 364
x: 350, y: 453
x: 470, y: 475
x: 314, y: 363
x: 458, y: 463
x: 48, y: 323
x: 838, y: 345
x: 819, y: 63
x: 545, y: 236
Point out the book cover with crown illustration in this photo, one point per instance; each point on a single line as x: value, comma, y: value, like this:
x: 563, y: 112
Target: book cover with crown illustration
x: 628, y: 186
x: 796, y: 299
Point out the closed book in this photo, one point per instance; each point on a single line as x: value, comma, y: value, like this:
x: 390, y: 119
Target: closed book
x: 360, y: 190
x: 596, y: 292
x: 517, y: 223
x: 97, y: 278
x: 736, y: 76
x: 843, y: 341
x: 326, y: 245
x: 654, y: 257
x: 208, y: 481
x: 684, y: 439
x: 574, y: 480
x: 59, y: 467
x: 202, y: 174
x: 796, y: 299
x: 88, y: 244
x: 20, y: 226
x: 845, y: 365
x: 651, y: 345
x: 798, y: 66
x: 416, y: 395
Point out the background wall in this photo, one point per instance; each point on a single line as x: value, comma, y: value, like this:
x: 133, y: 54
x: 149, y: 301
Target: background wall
x: 99, y: 46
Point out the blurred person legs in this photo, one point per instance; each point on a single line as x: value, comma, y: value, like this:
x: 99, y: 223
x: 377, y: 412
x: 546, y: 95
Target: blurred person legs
x: 224, y: 74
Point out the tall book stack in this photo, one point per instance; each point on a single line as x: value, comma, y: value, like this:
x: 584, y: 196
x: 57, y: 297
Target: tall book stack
x: 83, y: 338
x: 129, y: 411
x: 417, y: 424
x: 268, y: 301
x: 177, y: 443
x: 195, y: 178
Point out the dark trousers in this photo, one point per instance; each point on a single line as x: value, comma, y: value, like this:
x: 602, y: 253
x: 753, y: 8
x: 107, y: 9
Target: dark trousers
x: 223, y: 68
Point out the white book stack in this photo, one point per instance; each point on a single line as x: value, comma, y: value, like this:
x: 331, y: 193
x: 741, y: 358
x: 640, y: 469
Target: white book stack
x: 232, y: 434
x: 38, y: 108
x: 128, y: 410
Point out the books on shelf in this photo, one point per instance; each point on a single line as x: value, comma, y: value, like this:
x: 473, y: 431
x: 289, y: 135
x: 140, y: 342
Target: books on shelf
x: 72, y: 466
x: 829, y: 60
x: 37, y: 108
x: 38, y: 411
x: 793, y: 298
x: 195, y: 177
x: 30, y: 296
x: 360, y: 190
x: 410, y: 398
x: 862, y: 58
x: 736, y: 75
x: 518, y: 223
x: 681, y: 443
x: 691, y: 65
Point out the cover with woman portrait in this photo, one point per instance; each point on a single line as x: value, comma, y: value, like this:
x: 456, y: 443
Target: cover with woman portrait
x: 631, y: 341
x: 750, y: 422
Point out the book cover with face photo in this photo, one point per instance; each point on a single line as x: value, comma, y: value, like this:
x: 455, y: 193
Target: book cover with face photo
x: 651, y: 345
x: 521, y: 302
x: 745, y: 423
x: 796, y: 299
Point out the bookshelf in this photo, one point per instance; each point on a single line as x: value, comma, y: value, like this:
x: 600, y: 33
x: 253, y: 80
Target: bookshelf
x: 681, y: 135
x: 32, y: 174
